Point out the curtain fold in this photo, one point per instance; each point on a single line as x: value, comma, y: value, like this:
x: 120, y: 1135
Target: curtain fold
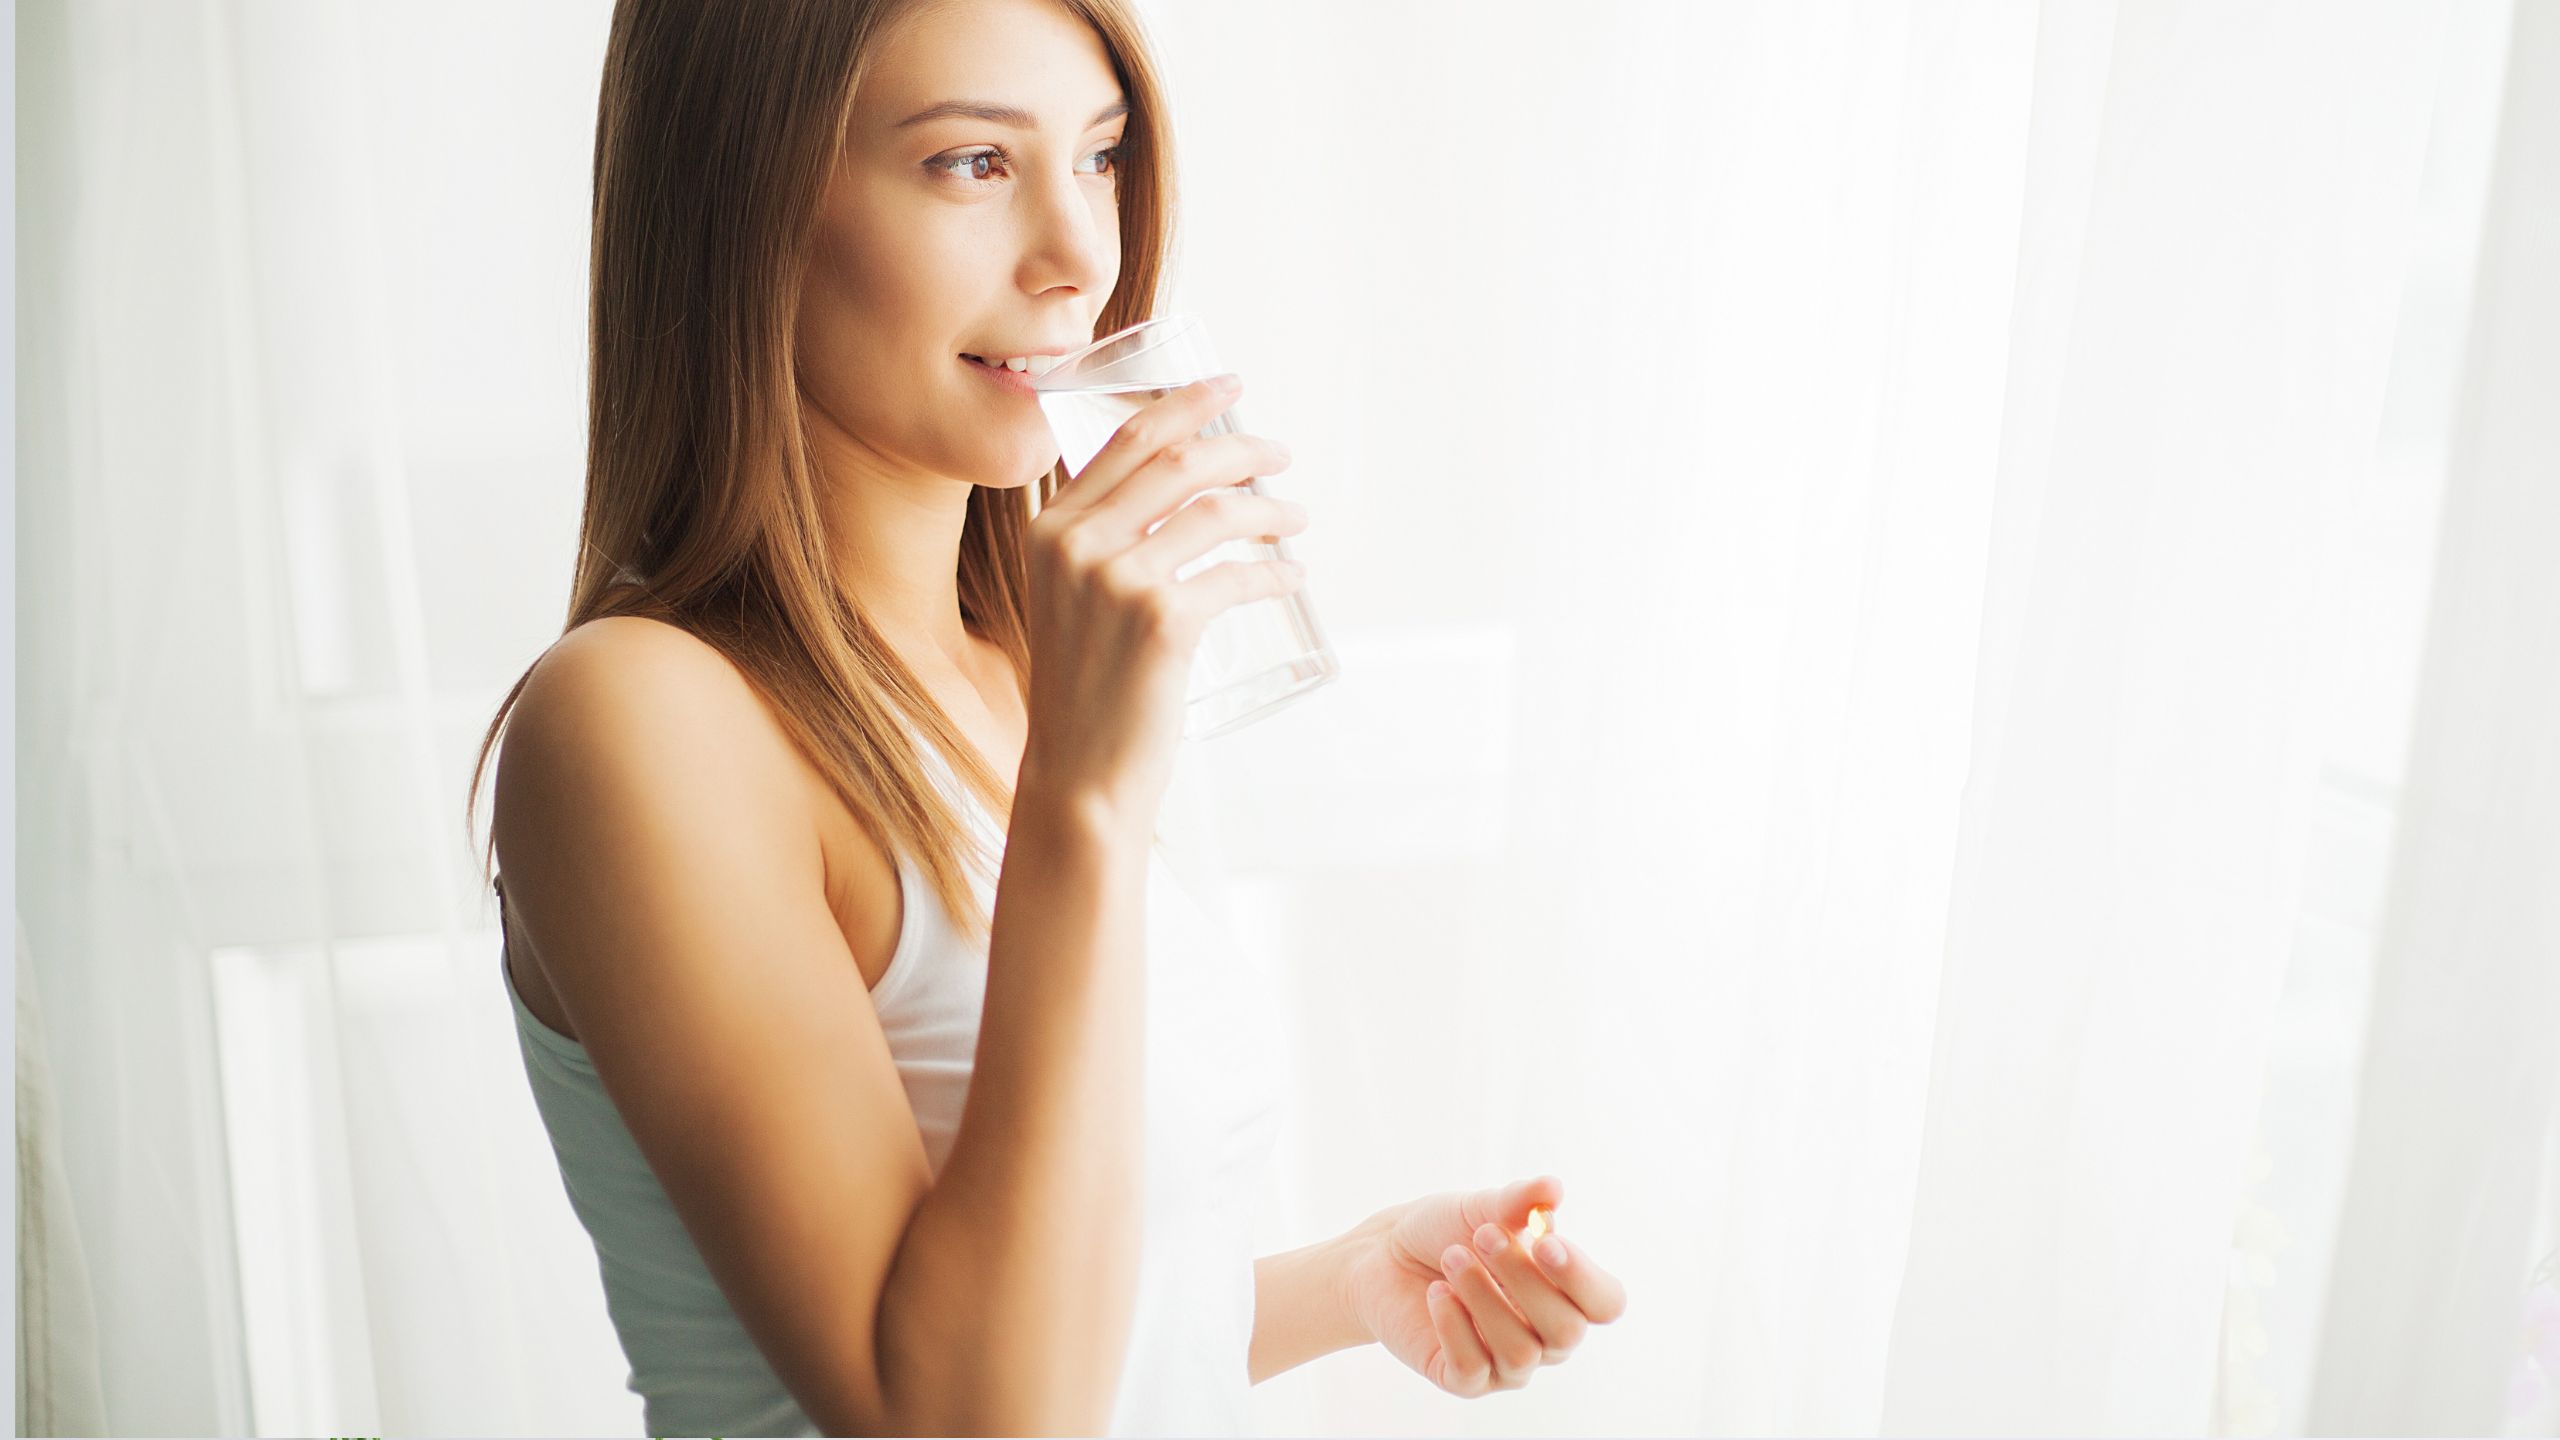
x: 58, y: 1392
x: 2149, y: 739
x: 2460, y: 1089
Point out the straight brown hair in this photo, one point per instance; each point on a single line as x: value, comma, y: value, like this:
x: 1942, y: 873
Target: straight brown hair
x: 717, y: 127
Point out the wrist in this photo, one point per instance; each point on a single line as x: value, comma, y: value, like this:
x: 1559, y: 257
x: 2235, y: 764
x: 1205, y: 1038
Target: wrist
x: 1344, y: 1255
x: 1073, y: 810
x: 1302, y: 1303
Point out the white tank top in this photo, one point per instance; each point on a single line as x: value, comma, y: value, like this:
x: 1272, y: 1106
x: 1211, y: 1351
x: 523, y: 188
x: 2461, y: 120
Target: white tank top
x: 1213, y: 1088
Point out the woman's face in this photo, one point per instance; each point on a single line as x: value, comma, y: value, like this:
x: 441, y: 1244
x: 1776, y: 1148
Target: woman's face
x: 958, y: 235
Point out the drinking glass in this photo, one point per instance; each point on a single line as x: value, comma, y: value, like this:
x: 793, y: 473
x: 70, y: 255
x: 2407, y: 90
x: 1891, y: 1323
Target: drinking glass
x: 1252, y: 658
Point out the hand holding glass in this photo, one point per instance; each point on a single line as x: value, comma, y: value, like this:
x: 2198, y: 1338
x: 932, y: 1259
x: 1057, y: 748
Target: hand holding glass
x: 1252, y: 658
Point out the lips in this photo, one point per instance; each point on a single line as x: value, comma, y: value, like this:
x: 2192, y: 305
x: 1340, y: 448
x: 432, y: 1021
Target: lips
x: 1017, y: 381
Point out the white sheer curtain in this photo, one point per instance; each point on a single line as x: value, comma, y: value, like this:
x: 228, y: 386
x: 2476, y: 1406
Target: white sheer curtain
x: 1909, y: 726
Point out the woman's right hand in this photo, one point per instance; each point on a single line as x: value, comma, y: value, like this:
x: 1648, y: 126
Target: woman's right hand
x: 1111, y: 631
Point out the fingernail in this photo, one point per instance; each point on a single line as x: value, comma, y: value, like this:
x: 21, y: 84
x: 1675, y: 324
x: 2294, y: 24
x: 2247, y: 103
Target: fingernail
x: 1457, y: 1258
x: 1551, y: 1253
x: 1228, y: 384
x: 1489, y: 1239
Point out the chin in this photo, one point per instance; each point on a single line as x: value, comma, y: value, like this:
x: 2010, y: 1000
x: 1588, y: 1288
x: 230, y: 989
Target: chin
x: 1020, y: 475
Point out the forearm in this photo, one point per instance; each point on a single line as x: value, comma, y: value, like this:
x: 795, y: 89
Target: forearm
x: 1009, y: 1307
x: 1299, y: 1310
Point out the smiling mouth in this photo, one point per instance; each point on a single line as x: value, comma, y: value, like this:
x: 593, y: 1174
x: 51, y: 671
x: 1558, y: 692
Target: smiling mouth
x: 1035, y: 366
x: 1021, y: 381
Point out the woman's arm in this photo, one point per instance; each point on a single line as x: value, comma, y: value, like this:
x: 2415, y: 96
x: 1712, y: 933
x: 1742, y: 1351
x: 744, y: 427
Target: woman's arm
x: 660, y: 851
x: 1008, y: 1309
x: 1300, y: 1310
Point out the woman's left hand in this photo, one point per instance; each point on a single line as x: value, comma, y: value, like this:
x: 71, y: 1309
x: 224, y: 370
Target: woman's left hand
x: 1421, y: 1283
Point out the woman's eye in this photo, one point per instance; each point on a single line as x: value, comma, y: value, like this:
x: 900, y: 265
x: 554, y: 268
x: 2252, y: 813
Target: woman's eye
x: 974, y: 157
x: 997, y: 157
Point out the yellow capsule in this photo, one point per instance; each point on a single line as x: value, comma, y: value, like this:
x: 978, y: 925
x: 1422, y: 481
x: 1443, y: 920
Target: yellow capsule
x: 1539, y: 1224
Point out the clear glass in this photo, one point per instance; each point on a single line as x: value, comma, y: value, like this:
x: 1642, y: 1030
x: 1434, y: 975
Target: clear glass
x: 1253, y: 658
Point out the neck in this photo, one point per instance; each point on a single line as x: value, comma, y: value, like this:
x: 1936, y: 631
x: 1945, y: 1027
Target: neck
x: 895, y: 543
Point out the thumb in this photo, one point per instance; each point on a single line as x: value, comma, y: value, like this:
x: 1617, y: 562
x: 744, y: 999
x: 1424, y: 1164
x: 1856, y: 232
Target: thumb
x: 1508, y: 1205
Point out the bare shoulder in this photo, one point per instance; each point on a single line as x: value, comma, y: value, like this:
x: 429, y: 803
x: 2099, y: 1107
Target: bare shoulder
x: 629, y: 687
x: 600, y: 669
x: 656, y: 705
x: 637, y: 747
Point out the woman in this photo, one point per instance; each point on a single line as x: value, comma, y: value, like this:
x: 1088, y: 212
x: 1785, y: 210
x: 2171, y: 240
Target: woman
x: 860, y: 1151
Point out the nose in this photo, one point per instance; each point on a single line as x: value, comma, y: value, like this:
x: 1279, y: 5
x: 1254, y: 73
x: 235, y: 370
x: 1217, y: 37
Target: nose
x: 1073, y: 236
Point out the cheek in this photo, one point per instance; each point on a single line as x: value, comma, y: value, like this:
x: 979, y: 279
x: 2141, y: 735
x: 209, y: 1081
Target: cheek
x: 838, y: 328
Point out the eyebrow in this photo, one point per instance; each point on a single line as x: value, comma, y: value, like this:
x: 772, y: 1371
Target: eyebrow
x: 993, y: 113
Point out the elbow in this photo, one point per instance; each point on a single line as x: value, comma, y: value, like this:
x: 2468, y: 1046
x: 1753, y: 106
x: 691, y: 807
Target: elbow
x: 977, y: 1398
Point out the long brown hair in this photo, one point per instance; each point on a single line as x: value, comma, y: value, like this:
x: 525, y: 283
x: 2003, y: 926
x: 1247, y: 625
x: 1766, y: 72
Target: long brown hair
x: 716, y: 129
